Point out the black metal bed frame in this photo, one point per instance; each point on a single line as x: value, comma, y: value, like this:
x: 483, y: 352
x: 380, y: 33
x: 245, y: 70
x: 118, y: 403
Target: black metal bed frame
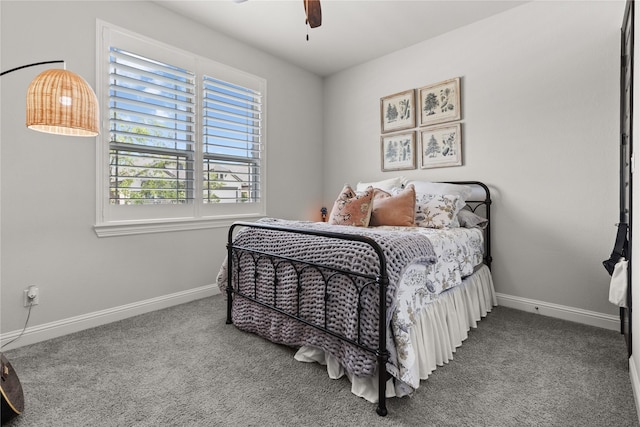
x: 361, y: 282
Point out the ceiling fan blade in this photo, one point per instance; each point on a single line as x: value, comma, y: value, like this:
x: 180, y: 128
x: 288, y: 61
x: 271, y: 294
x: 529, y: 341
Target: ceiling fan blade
x: 314, y: 13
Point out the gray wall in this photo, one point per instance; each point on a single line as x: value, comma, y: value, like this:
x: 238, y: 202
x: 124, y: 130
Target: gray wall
x: 49, y: 182
x: 540, y: 102
x: 540, y: 126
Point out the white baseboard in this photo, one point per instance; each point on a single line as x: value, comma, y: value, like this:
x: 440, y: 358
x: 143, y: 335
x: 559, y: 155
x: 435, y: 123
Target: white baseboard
x: 78, y: 323
x: 593, y: 318
x: 635, y: 382
x: 58, y: 328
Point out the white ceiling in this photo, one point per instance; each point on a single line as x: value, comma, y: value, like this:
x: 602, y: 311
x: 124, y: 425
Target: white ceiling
x: 352, y: 31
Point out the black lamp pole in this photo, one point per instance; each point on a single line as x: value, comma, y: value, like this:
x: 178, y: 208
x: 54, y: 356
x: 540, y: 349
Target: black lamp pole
x: 31, y: 65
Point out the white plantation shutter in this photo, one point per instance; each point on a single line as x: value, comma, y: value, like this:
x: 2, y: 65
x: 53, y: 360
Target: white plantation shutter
x: 232, y: 117
x: 152, y: 131
x: 183, y: 140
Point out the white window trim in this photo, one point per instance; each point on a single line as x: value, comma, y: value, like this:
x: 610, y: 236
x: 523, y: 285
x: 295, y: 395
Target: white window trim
x: 194, y: 217
x: 126, y: 228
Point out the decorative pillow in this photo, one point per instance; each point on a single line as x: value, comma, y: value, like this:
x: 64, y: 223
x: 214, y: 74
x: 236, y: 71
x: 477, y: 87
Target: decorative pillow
x: 352, y: 208
x: 442, y: 188
x: 470, y: 219
x: 398, y: 209
x: 386, y: 184
x: 436, y: 210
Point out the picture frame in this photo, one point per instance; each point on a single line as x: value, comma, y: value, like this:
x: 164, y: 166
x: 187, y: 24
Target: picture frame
x: 398, y: 151
x: 440, y: 102
x: 441, y: 146
x: 398, y: 111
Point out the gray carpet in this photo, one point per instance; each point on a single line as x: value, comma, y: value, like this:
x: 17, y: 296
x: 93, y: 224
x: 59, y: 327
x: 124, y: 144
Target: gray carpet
x: 183, y: 366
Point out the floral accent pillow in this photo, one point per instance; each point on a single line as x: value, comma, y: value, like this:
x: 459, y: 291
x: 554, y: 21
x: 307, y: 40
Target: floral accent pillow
x: 436, y: 210
x: 351, y: 208
x: 429, y: 188
x: 397, y: 208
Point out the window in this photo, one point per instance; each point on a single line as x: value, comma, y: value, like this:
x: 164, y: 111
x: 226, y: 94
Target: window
x: 231, y: 143
x: 184, y: 140
x: 151, y: 131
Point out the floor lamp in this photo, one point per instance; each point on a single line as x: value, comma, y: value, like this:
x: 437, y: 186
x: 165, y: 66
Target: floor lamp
x: 61, y: 102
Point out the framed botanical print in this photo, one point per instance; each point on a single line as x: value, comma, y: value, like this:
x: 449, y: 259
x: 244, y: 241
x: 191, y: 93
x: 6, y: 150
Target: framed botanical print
x: 398, y: 151
x: 397, y: 111
x: 441, y: 146
x: 440, y: 102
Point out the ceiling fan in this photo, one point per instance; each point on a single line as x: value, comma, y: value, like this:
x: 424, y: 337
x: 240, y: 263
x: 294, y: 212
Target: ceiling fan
x: 313, y: 12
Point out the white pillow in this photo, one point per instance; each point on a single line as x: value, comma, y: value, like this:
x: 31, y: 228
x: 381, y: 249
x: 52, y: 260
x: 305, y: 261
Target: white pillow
x: 386, y: 184
x: 428, y: 188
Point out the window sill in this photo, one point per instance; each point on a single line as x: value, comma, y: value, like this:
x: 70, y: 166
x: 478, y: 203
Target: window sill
x: 128, y: 228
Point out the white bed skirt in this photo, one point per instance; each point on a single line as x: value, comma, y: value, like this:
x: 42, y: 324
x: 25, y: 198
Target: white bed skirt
x: 440, y: 328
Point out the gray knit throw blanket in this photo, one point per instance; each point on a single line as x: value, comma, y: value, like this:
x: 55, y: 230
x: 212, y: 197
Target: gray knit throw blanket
x: 277, y: 284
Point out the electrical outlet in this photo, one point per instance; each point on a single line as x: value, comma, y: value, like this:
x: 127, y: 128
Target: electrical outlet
x: 31, y: 296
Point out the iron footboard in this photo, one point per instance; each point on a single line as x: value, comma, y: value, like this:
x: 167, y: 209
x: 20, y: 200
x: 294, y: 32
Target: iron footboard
x: 254, y: 256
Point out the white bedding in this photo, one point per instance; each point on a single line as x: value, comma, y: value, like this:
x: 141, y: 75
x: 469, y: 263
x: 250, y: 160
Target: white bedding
x: 458, y: 251
x: 436, y: 331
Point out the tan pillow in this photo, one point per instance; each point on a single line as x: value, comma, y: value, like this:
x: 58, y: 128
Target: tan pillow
x: 352, y: 208
x: 399, y: 209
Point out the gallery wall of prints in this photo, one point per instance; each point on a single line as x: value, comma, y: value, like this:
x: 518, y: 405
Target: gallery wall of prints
x: 421, y: 127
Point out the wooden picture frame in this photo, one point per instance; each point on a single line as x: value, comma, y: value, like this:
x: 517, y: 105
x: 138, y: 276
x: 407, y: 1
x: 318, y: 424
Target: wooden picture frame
x: 441, y: 146
x: 398, y: 151
x: 440, y: 102
x: 398, y: 111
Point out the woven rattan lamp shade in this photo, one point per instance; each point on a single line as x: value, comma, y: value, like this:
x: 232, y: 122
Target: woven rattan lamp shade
x: 62, y: 102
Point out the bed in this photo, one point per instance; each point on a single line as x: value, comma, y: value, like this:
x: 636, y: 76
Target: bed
x: 384, y: 301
